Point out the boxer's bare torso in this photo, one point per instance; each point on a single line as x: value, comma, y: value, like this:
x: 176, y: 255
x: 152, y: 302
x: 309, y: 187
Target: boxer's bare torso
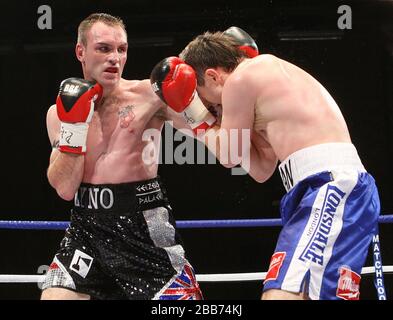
x: 114, y: 142
x: 287, y: 109
x: 291, y: 109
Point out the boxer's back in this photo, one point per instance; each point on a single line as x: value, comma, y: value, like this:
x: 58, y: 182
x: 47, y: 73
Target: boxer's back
x: 293, y: 110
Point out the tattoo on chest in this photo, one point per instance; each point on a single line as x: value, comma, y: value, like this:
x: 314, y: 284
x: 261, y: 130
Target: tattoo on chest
x: 125, y: 111
x: 126, y: 115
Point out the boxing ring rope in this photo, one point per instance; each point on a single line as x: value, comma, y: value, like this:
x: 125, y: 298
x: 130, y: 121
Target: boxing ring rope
x: 181, y: 224
x: 218, y: 277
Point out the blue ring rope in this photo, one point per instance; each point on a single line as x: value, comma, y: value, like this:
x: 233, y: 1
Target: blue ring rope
x: 181, y: 224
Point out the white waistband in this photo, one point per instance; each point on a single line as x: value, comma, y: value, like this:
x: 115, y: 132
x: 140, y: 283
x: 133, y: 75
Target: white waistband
x: 322, y: 157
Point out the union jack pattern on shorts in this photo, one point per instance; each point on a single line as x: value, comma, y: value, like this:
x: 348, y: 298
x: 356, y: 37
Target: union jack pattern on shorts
x: 184, y: 287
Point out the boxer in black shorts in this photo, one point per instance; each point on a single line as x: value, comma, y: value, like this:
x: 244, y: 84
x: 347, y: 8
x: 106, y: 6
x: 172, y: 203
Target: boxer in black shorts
x: 122, y: 244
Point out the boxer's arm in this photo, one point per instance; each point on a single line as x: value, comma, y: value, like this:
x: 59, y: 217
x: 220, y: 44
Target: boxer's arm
x: 263, y: 160
x: 233, y: 136
x: 177, y: 121
x: 260, y: 162
x: 239, y: 99
x: 65, y: 170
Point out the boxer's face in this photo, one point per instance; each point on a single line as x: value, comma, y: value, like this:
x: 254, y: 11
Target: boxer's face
x: 105, y: 54
x: 205, y: 94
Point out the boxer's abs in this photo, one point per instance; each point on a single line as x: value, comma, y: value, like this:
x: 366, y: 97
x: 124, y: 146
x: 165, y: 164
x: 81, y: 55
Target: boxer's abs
x: 117, y: 156
x: 117, y: 167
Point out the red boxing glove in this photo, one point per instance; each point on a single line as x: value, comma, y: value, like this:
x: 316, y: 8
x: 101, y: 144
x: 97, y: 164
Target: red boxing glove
x: 175, y: 83
x: 244, y: 41
x: 75, y: 108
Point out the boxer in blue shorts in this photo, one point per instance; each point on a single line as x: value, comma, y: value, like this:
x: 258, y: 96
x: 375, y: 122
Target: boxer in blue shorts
x: 329, y: 213
x: 331, y: 209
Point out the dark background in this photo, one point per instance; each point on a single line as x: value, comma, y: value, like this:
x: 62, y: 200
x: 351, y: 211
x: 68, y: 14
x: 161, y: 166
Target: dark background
x: 354, y: 65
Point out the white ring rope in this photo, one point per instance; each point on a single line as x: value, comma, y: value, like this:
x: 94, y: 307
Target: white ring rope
x: 219, y: 277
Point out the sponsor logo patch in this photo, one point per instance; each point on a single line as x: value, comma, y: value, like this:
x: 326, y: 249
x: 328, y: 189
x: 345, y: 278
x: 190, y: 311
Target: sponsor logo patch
x: 275, y: 265
x: 348, y: 284
x: 81, y: 263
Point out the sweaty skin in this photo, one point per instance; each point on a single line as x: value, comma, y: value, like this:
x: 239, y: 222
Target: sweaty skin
x: 285, y: 108
x: 114, y: 140
x: 115, y: 145
x: 115, y: 133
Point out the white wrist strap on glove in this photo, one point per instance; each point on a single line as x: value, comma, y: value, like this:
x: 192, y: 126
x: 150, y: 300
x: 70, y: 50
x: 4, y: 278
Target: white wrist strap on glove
x: 196, y: 113
x: 73, y: 134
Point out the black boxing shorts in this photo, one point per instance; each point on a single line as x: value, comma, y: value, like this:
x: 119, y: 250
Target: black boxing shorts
x: 122, y: 243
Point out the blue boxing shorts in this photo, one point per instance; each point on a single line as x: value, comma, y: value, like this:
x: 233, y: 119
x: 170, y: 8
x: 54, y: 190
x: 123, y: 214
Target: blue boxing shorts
x: 329, y: 215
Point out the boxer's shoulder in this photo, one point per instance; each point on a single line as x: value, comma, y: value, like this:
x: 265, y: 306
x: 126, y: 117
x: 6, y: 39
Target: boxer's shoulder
x: 139, y: 87
x: 52, y: 110
x: 140, y: 93
x: 129, y: 85
x: 51, y: 115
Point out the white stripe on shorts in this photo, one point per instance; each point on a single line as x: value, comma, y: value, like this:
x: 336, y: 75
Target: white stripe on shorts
x: 345, y: 181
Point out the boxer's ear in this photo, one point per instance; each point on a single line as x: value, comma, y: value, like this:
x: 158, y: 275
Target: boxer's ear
x: 80, y: 52
x: 212, y: 75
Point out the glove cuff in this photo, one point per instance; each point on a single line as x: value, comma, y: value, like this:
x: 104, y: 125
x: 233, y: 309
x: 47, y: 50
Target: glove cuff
x: 73, y: 137
x: 196, y: 113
